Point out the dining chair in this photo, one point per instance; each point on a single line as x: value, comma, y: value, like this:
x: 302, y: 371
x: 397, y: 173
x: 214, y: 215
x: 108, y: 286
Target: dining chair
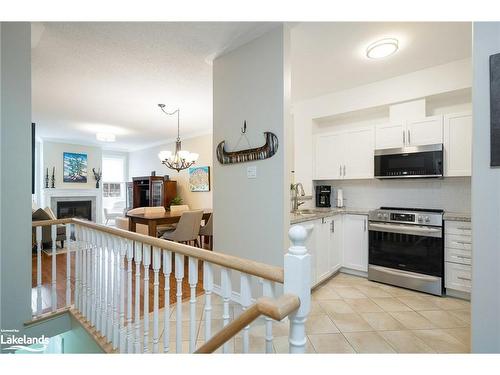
x: 179, y: 208
x: 207, y: 230
x: 176, y: 209
x: 187, y: 229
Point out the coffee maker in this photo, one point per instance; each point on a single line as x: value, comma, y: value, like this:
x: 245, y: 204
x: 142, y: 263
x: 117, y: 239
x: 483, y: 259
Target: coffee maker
x: 323, y: 193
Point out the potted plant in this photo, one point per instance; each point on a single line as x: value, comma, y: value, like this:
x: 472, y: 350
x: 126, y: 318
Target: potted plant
x: 176, y: 201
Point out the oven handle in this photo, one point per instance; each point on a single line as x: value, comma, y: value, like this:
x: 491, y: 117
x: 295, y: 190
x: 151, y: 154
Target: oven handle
x: 406, y: 229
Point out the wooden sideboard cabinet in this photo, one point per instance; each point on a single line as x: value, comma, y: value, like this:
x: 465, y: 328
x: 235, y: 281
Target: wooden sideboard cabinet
x: 150, y: 191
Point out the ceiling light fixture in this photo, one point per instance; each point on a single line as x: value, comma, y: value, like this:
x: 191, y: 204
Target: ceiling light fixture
x: 105, y: 137
x: 182, y: 159
x: 382, y: 48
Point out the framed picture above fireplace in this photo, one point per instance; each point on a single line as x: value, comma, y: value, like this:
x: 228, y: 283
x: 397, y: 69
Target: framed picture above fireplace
x: 74, y: 167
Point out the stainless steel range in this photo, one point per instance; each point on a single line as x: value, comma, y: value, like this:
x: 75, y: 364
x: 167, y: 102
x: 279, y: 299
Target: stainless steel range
x: 406, y: 248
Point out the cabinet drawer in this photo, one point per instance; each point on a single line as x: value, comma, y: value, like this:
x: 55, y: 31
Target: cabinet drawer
x: 463, y: 228
x: 458, y: 256
x: 458, y: 277
x: 454, y: 241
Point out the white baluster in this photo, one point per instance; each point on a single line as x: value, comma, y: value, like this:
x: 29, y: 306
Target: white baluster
x: 88, y: 310
x: 167, y: 269
x: 92, y: 249
x: 98, y: 287
x: 116, y: 292
x: 179, y: 275
x: 208, y: 285
x: 109, y: 289
x: 268, y: 291
x: 138, y: 259
x: 69, y: 247
x: 297, y: 281
x: 38, y: 231
x: 84, y: 271
x: 226, y: 296
x: 130, y: 328
x: 77, y: 267
x: 53, y: 299
x: 193, y: 281
x: 156, y: 297
x: 246, y: 301
x: 123, y: 330
x: 104, y: 296
x: 146, y: 261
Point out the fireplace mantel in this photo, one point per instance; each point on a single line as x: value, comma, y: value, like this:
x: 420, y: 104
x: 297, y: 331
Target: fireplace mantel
x: 48, y: 194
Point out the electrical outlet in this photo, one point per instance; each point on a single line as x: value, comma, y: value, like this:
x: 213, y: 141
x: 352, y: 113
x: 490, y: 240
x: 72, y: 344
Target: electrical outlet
x: 252, y: 171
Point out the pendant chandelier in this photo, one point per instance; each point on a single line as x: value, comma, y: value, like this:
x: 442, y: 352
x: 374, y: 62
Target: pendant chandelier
x: 181, y: 159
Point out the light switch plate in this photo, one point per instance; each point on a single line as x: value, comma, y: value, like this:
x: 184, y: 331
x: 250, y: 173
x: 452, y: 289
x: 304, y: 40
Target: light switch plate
x: 252, y: 171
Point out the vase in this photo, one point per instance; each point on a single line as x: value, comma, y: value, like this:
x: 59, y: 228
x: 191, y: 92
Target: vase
x: 97, y: 185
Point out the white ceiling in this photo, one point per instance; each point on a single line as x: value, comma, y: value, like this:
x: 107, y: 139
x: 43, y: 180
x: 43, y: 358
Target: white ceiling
x: 329, y: 57
x: 109, y: 77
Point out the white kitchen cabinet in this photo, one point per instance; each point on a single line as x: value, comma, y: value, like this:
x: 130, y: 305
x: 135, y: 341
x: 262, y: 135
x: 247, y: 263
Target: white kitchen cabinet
x: 355, y: 241
x: 344, y: 155
x: 426, y: 131
x: 458, y: 256
x: 313, y: 227
x: 389, y: 135
x: 336, y: 248
x: 323, y: 256
x: 457, y: 142
x: 328, y: 152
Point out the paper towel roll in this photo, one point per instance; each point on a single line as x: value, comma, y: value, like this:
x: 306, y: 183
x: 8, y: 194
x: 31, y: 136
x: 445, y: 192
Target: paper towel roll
x: 340, y: 198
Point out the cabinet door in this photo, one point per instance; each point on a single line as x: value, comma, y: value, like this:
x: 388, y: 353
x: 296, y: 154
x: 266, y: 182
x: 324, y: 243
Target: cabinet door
x: 322, y: 250
x: 425, y: 132
x: 458, y: 144
x: 335, y: 243
x: 358, y: 153
x: 328, y: 156
x: 156, y: 193
x: 389, y: 136
x: 356, y: 242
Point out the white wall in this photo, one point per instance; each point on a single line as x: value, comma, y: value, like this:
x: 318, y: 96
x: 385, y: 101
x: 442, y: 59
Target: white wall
x: 485, y: 201
x: 450, y: 194
x: 142, y: 162
x: 53, y: 157
x: 446, y: 78
x: 250, y: 83
x: 15, y: 182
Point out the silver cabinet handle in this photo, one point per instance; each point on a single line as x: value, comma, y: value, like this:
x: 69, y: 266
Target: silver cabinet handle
x: 344, y: 170
x: 462, y: 242
x: 332, y: 226
x: 404, y: 140
x: 409, y: 142
x: 461, y: 257
x: 464, y: 278
x: 364, y: 224
x: 340, y: 170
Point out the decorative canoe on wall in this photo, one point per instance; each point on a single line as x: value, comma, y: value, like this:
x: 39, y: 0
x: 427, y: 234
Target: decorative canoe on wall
x: 252, y: 154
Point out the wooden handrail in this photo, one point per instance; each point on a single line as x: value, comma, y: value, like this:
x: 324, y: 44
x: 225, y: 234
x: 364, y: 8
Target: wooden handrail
x: 276, y: 309
x: 247, y: 266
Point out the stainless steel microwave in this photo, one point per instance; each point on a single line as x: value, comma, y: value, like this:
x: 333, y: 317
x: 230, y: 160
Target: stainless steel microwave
x: 409, y: 162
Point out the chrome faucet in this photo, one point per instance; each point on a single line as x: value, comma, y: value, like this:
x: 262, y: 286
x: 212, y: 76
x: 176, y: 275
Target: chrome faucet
x: 296, y: 200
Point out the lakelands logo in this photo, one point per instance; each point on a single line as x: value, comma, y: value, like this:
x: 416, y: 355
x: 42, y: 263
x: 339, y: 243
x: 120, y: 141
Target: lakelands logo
x: 27, y: 343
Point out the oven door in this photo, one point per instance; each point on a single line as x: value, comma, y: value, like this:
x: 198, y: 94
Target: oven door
x: 411, y: 248
x: 409, y: 162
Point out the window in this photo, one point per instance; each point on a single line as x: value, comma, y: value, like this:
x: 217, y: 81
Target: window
x: 111, y: 189
x: 113, y: 176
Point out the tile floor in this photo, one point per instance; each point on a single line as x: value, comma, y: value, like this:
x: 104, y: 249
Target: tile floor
x: 350, y: 314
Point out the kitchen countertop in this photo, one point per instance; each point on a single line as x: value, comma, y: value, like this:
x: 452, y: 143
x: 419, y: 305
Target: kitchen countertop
x: 327, y: 212
x: 456, y: 216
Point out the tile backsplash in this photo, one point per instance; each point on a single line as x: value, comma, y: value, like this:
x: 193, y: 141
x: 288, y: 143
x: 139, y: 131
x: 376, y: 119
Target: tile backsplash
x: 452, y: 194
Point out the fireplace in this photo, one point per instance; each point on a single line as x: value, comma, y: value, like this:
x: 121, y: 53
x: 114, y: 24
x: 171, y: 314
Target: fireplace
x: 78, y: 208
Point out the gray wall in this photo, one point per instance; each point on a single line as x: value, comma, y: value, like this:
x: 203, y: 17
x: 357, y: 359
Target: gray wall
x: 250, y: 83
x: 485, y: 201
x: 15, y: 183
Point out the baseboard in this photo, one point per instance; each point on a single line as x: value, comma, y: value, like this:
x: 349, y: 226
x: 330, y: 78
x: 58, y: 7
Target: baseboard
x: 354, y: 272
x: 458, y: 294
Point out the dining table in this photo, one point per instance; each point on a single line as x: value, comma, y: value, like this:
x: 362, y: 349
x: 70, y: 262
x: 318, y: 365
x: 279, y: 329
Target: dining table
x: 155, y: 220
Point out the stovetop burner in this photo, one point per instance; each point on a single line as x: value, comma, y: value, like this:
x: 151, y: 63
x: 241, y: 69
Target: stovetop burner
x: 413, y: 209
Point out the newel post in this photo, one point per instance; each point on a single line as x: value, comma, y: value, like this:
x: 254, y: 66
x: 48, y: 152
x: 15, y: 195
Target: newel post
x: 297, y: 267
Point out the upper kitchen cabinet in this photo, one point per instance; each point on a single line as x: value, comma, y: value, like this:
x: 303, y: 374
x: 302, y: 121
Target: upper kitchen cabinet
x: 390, y: 135
x: 344, y: 154
x: 426, y: 131
x: 458, y: 144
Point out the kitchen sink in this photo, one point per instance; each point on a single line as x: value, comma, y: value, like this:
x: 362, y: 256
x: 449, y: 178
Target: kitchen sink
x: 305, y: 212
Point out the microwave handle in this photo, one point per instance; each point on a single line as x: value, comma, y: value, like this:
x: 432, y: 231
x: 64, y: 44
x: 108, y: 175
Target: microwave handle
x: 409, y: 141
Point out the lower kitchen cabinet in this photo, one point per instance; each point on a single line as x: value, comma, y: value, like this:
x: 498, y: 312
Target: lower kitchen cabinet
x: 458, y: 256
x: 355, y: 242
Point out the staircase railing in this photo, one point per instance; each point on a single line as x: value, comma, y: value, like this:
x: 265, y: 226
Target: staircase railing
x: 107, y: 268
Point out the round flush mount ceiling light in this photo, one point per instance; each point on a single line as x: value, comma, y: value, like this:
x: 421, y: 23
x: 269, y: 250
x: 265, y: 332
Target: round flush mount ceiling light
x: 105, y: 137
x: 382, y: 48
